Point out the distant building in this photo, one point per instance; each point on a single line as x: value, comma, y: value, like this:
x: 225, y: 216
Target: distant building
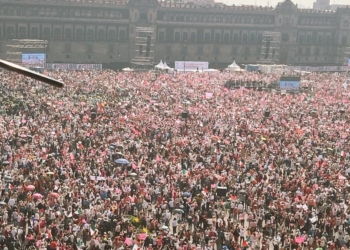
x: 322, y: 5
x: 199, y: 2
x: 325, y: 5
x: 86, y: 31
x: 336, y: 6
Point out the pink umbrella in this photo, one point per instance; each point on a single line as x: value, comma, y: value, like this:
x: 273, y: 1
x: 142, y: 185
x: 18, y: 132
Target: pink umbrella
x: 30, y: 188
x: 55, y: 195
x: 37, y: 196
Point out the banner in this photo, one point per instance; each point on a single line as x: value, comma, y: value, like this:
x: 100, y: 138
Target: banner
x: 34, y: 60
x: 289, y: 83
x: 68, y: 66
x: 320, y: 69
x: 191, y: 66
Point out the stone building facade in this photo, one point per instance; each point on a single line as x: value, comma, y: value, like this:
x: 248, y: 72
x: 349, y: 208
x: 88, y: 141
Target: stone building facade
x: 101, y: 31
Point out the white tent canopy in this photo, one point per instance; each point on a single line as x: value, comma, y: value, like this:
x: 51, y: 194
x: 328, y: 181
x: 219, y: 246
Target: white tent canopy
x: 233, y: 66
x: 160, y: 65
x: 166, y: 66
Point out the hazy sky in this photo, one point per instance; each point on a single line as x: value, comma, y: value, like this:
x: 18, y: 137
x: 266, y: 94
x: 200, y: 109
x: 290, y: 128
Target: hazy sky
x: 301, y: 3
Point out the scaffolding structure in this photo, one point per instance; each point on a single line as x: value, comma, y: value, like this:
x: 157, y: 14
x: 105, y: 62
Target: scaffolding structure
x: 144, y: 48
x: 19, y: 46
x: 270, y: 51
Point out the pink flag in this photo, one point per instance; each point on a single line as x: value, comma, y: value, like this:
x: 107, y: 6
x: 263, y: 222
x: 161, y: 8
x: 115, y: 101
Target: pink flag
x: 300, y: 239
x: 142, y: 236
x: 208, y: 95
x: 128, y: 241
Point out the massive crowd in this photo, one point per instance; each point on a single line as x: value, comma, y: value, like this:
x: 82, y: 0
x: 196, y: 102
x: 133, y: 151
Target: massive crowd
x: 134, y: 161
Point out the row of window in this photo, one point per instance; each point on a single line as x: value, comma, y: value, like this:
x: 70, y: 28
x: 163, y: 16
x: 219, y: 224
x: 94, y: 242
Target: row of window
x: 320, y: 39
x: 208, y: 37
x: 112, y: 35
x: 62, y: 12
x: 321, y: 22
x: 315, y: 21
x: 216, y: 19
x: 308, y: 51
x: 66, y: 33
x: 113, y: 14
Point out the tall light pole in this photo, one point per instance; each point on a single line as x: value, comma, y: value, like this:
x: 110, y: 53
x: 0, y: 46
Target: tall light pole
x: 184, y: 48
x: 118, y: 49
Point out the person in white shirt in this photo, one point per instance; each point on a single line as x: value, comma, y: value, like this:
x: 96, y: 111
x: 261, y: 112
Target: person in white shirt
x: 241, y: 235
x: 14, y: 233
x: 276, y: 241
x: 167, y: 217
x: 171, y: 205
x: 174, y: 224
x: 15, y: 218
x: 11, y: 202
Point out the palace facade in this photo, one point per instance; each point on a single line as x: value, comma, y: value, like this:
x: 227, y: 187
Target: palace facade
x: 102, y: 31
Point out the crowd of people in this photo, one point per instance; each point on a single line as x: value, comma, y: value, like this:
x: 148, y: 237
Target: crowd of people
x: 135, y: 161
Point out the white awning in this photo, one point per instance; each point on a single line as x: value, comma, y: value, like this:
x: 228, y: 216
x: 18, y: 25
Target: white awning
x: 233, y: 66
x: 160, y: 65
x: 166, y: 66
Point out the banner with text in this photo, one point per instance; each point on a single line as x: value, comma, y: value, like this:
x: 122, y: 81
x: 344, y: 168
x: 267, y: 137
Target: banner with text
x: 69, y: 66
x: 188, y: 65
x: 320, y: 69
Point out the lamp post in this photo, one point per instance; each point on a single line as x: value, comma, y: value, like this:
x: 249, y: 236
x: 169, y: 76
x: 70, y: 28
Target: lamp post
x: 184, y: 48
x: 118, y: 55
x: 295, y: 53
x: 208, y: 52
x: 241, y: 54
